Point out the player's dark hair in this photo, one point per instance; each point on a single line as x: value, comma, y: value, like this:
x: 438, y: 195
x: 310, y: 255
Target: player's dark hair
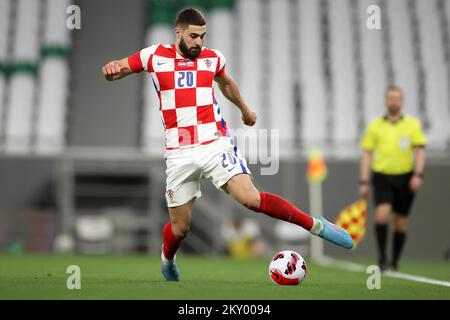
x: 393, y: 87
x: 190, y: 16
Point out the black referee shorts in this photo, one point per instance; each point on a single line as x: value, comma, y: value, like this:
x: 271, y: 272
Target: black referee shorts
x: 393, y: 189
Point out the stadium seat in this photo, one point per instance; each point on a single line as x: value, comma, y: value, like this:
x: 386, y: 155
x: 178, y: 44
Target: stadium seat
x: 313, y: 127
x: 251, y: 69
x: 21, y: 106
x: 280, y: 110
x: 343, y: 70
x: 53, y: 78
x: 437, y: 95
x: 404, y: 64
x: 374, y: 64
x: 5, y: 18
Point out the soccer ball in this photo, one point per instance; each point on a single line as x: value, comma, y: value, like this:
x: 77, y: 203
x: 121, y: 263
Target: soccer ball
x: 287, y: 268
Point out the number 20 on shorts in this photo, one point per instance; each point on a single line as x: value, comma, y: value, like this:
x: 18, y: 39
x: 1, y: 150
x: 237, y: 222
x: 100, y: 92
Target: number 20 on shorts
x: 228, y: 159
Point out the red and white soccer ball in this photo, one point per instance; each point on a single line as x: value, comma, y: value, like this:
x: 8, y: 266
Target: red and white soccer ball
x: 287, y: 268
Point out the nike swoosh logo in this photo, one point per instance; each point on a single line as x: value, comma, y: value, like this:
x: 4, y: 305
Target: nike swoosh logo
x: 229, y: 170
x: 161, y: 62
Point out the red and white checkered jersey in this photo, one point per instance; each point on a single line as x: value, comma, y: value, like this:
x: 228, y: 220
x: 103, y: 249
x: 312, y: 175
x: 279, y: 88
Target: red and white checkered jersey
x: 189, y: 110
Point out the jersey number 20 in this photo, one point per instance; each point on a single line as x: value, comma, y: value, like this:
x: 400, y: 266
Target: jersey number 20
x: 185, y: 78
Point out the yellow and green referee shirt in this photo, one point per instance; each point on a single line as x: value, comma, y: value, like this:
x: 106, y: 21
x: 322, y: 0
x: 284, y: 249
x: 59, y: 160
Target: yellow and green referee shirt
x: 392, y: 143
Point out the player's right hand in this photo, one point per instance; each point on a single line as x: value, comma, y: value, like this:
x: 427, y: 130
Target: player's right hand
x: 111, y: 69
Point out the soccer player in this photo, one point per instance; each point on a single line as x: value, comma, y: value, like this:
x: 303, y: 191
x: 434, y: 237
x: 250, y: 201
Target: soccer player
x: 396, y: 174
x: 197, y: 141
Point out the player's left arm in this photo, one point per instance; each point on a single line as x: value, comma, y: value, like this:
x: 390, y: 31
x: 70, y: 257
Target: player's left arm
x: 419, y: 167
x: 230, y: 90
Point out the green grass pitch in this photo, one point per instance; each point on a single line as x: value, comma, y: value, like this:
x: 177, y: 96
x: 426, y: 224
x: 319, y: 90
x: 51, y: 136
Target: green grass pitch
x: 139, y: 277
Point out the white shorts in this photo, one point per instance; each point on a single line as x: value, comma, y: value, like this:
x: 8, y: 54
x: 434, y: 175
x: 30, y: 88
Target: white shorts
x: 217, y: 161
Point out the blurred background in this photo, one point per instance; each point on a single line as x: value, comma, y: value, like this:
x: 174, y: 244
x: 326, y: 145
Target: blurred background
x: 81, y: 165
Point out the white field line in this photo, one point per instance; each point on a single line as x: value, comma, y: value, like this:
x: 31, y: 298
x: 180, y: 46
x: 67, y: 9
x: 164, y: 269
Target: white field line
x: 411, y: 277
x: 355, y: 267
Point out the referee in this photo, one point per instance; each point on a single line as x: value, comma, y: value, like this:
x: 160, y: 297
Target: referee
x: 394, y: 157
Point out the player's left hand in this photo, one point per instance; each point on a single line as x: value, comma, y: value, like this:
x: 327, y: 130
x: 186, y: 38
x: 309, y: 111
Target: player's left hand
x: 249, y: 117
x: 415, y: 183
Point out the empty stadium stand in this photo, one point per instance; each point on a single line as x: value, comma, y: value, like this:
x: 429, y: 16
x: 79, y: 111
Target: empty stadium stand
x: 310, y: 68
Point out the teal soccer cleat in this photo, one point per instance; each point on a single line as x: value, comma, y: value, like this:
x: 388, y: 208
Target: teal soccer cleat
x: 334, y: 233
x: 170, y: 270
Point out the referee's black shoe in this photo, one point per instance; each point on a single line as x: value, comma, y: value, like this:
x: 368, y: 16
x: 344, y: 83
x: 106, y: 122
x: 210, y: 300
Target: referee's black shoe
x: 383, y: 266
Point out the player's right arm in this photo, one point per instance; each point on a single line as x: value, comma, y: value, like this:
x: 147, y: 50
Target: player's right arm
x: 116, y: 69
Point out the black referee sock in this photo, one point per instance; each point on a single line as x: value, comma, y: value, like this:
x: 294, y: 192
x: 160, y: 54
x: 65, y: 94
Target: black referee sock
x: 381, y: 231
x: 399, y: 241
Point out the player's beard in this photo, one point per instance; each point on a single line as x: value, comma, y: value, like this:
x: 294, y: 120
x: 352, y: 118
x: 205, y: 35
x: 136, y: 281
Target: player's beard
x: 191, y: 53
